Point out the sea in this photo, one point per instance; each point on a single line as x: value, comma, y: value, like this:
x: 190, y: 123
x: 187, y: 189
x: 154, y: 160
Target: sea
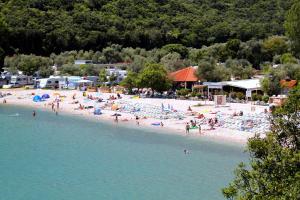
x: 71, y: 158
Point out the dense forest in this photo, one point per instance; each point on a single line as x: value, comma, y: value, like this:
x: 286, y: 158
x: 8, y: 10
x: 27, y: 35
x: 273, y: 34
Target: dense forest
x: 43, y: 27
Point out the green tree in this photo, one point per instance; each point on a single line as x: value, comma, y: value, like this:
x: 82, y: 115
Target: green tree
x: 155, y: 76
x: 288, y: 58
x: 103, y: 76
x: 209, y: 70
x: 131, y: 81
x: 275, y: 45
x: 292, y: 26
x: 232, y: 47
x: 274, y: 171
x: 240, y: 69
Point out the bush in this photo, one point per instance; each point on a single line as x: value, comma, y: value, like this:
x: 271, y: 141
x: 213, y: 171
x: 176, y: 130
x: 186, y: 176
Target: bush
x: 256, y: 97
x: 183, y: 92
x: 233, y: 95
x: 265, y: 98
x: 240, y: 95
x: 193, y: 94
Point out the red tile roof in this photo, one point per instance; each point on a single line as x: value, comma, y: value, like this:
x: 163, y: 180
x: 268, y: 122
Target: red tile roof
x: 288, y: 83
x: 184, y: 75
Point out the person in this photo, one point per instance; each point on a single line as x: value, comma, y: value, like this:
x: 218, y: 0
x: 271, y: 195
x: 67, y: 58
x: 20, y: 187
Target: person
x: 265, y: 111
x: 187, y: 128
x: 57, y: 105
x: 199, y: 126
x: 189, y: 109
x: 52, y: 106
x: 4, y: 101
x: 161, y: 124
x: 116, y: 118
x: 34, y: 113
x: 186, y: 151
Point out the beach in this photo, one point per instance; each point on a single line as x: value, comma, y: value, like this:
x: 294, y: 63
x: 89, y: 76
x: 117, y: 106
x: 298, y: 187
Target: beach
x: 161, y: 115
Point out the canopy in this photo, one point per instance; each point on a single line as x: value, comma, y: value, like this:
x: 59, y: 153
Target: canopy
x: 84, y: 81
x: 184, y: 75
x: 37, y: 98
x: 248, y: 84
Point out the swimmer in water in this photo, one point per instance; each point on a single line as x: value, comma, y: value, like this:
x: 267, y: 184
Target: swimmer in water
x: 34, y: 113
x: 186, y: 151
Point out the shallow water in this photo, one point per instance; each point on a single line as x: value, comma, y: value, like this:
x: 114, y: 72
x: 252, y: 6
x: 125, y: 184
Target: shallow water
x: 63, y: 157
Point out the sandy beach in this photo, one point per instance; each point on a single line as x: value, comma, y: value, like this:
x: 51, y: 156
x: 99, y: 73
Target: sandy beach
x: 173, y: 114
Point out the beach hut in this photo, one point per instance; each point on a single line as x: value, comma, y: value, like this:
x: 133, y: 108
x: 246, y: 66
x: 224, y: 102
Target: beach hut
x: 286, y: 85
x: 185, y: 77
x: 37, y: 98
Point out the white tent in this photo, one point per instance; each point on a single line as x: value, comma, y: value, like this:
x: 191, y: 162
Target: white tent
x: 249, y: 85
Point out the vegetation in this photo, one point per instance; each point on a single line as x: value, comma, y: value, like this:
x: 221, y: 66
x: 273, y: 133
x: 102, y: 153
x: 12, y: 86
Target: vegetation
x: 45, y: 27
x: 274, y: 160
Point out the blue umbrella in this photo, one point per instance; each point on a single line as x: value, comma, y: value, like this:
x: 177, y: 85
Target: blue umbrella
x: 37, y: 98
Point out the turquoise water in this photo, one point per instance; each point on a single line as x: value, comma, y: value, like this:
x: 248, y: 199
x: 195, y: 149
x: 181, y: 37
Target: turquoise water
x: 63, y: 157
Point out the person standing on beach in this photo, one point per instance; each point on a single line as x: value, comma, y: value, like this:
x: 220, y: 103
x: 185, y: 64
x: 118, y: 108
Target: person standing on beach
x: 116, y: 119
x: 199, y: 126
x: 187, y: 128
x: 52, y: 106
x: 57, y: 105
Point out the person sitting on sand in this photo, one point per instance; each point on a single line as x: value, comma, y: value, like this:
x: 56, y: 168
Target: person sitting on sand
x: 161, y: 124
x: 211, y: 124
x: 241, y: 113
x: 189, y: 108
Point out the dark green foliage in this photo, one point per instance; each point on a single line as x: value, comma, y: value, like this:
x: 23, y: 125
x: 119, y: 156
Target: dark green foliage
x: 183, y: 92
x: 154, y: 76
x: 292, y: 26
x: 274, y: 171
x: 43, y: 27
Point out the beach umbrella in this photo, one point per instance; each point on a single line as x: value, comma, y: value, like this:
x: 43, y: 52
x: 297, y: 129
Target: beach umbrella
x: 97, y: 111
x: 45, y: 96
x: 37, y: 98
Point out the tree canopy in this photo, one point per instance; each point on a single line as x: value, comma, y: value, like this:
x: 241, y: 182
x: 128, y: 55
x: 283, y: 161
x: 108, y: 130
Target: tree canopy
x: 43, y: 27
x: 274, y: 171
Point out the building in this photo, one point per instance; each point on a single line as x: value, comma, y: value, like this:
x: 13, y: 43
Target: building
x: 185, y: 77
x: 286, y: 85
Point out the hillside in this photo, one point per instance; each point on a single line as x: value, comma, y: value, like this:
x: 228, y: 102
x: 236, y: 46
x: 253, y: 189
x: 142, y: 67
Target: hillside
x: 42, y: 27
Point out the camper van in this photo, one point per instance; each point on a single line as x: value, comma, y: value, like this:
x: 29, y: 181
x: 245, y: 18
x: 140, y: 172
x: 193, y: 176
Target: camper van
x: 20, y: 80
x: 51, y: 82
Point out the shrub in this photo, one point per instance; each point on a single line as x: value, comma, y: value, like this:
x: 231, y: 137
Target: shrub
x: 256, y: 97
x: 193, y: 94
x: 183, y: 92
x: 265, y: 98
x: 240, y: 95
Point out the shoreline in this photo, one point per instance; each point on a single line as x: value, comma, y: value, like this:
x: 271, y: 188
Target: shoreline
x: 172, y: 127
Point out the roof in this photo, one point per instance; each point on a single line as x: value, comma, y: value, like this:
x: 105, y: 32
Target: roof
x: 249, y: 84
x: 288, y: 83
x: 184, y: 75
